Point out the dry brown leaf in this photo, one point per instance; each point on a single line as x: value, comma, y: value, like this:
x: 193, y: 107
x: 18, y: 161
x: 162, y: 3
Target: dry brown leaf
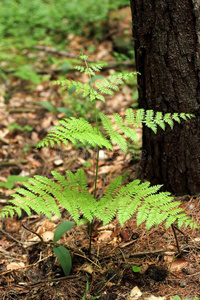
x: 87, y: 268
x: 15, y: 265
x: 45, y: 123
x: 105, y: 236
x: 135, y: 294
x: 47, y: 236
x: 178, y: 264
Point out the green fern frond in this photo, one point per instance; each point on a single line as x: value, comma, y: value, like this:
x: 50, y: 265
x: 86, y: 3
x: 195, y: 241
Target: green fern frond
x: 129, y: 116
x: 44, y: 196
x: 151, y: 119
x: 150, y: 206
x: 106, y: 208
x: 115, y: 137
x: 159, y: 120
x: 107, y: 124
x: 83, y: 56
x: 175, y: 117
x: 73, y: 129
x: 119, y: 140
x: 81, y: 69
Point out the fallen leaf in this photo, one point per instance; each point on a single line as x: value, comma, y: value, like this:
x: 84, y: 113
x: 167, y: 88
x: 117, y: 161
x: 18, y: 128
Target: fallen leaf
x: 125, y: 235
x: 48, y: 236
x: 178, y: 264
x: 135, y: 294
x: 152, y: 297
x: 87, y: 268
x: 15, y: 265
x: 106, y: 236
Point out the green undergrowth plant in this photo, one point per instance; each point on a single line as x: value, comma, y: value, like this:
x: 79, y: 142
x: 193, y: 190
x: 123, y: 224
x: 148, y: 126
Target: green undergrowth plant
x: 70, y: 190
x: 86, y: 291
x: 178, y: 298
x: 51, y: 21
x: 62, y: 252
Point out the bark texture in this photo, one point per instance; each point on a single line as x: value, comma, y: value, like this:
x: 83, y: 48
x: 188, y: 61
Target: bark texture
x: 167, y: 48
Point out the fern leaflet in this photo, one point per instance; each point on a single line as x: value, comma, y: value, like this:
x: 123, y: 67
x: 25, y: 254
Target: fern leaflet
x: 73, y: 129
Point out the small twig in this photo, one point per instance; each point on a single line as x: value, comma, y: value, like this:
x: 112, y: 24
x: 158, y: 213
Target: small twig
x: 25, y: 267
x: 10, y: 236
x: 193, y: 274
x: 13, y: 163
x: 111, y: 64
x: 88, y: 259
x: 176, y: 239
x: 123, y: 255
x: 103, y: 287
x: 50, y: 280
x: 58, y: 52
x: 147, y: 252
x: 33, y: 233
x: 185, y: 235
x: 122, y: 245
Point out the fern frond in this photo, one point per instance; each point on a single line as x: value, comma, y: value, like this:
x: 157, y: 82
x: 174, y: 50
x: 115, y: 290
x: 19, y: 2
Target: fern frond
x: 159, y: 120
x: 152, y: 120
x: 106, y: 208
x: 150, y: 206
x: 44, y: 195
x: 115, y: 137
x: 129, y: 116
x: 73, y: 129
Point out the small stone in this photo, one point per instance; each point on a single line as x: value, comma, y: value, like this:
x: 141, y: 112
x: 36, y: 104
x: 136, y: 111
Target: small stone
x: 182, y: 283
x: 58, y: 162
x: 102, y: 155
x: 191, y: 206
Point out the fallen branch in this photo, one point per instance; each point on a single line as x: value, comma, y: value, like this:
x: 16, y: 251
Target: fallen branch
x: 13, y: 163
x: 110, y: 64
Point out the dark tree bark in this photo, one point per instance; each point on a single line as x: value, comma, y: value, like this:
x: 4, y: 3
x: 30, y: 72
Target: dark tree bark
x: 167, y: 48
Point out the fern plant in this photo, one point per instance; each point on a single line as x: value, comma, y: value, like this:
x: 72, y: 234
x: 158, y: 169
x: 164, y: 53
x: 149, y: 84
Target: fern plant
x: 46, y: 196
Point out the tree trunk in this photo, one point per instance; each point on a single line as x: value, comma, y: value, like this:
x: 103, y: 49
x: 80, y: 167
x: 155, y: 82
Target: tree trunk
x: 167, y: 50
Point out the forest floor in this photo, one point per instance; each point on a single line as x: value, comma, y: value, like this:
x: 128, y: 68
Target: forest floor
x: 28, y: 268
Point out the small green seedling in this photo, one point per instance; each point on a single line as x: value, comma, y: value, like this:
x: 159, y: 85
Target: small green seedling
x: 86, y: 291
x: 136, y: 269
x: 61, y: 252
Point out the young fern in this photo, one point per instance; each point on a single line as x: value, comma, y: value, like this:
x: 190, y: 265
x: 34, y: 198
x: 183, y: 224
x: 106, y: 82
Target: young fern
x: 47, y: 196
x: 74, y: 129
x: 71, y: 192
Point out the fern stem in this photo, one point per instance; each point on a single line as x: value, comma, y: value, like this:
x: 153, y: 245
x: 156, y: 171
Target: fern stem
x: 176, y: 239
x: 96, y: 173
x: 95, y: 193
x: 97, y: 161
